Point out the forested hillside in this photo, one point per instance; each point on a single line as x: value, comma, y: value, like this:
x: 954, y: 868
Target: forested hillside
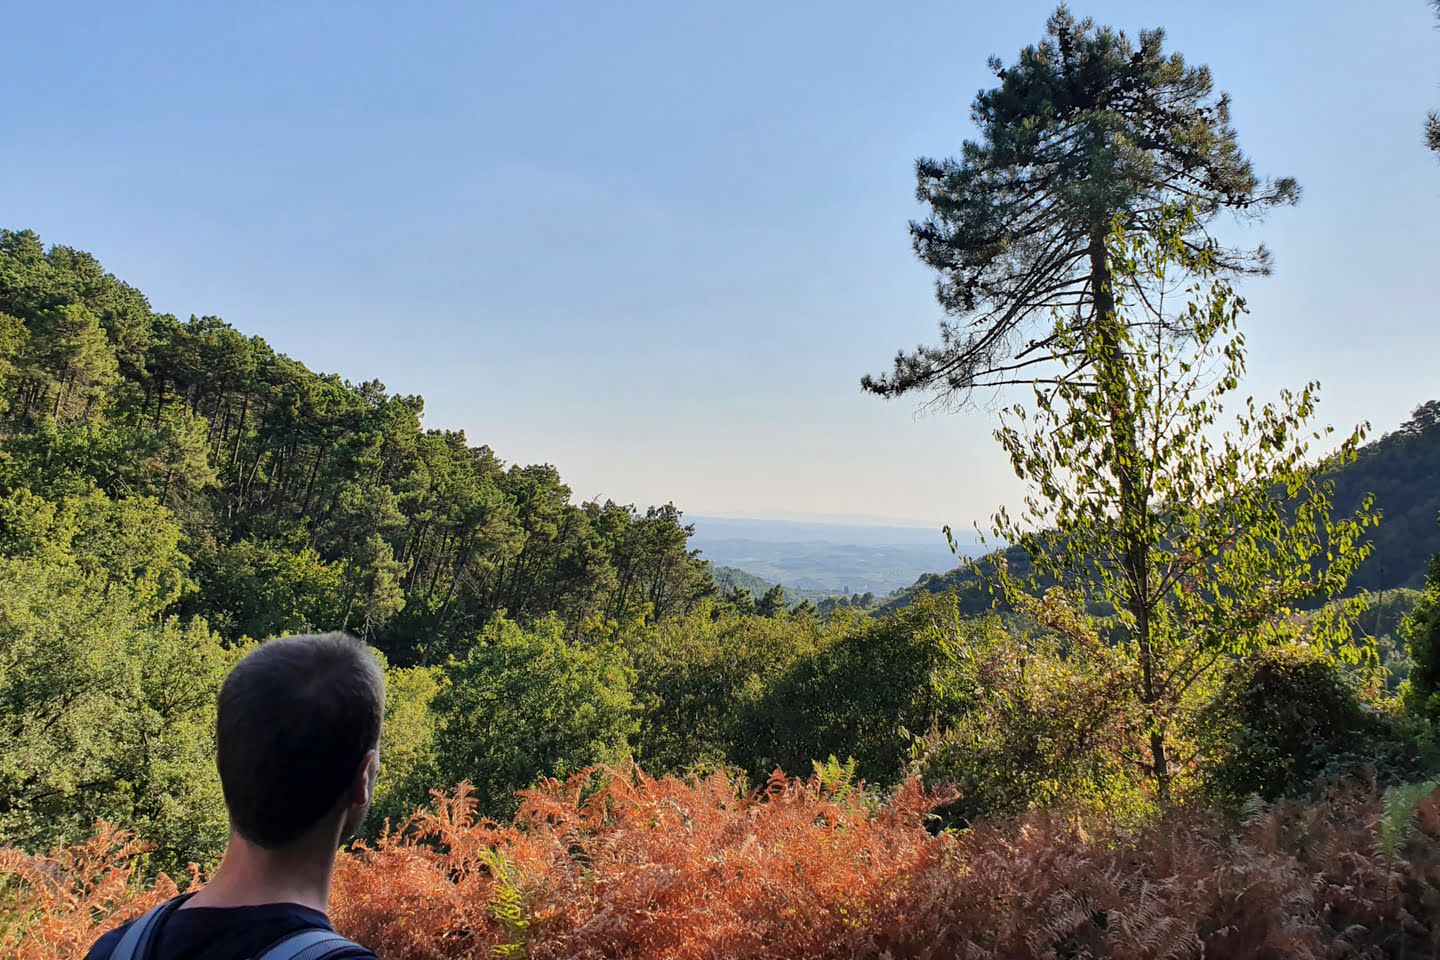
x: 1401, y: 470
x: 733, y: 578
x: 173, y: 491
x: 298, y: 499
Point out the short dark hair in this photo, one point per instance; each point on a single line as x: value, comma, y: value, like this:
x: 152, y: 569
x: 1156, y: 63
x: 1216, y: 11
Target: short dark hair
x: 295, y: 719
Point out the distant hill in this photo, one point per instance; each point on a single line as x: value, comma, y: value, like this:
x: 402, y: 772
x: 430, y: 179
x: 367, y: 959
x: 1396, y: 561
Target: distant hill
x: 732, y: 578
x: 1402, y: 470
x: 971, y: 587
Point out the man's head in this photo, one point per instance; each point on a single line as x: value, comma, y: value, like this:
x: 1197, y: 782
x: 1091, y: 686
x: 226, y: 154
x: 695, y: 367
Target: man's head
x: 297, y: 733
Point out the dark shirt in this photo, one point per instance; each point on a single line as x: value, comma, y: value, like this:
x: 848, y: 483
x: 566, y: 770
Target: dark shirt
x: 225, y: 933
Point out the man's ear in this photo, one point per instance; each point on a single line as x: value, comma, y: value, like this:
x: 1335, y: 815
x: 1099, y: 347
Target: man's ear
x: 364, y: 787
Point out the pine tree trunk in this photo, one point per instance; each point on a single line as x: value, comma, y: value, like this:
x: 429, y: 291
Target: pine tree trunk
x: 240, y: 431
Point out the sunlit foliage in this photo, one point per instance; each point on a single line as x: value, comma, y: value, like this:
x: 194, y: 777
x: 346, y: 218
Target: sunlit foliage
x: 1195, y: 545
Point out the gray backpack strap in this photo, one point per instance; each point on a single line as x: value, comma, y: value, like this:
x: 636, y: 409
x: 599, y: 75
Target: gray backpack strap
x: 309, y: 945
x: 138, y: 937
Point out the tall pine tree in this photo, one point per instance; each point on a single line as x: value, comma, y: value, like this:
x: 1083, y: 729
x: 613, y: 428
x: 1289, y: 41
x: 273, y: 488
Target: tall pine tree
x: 1085, y: 128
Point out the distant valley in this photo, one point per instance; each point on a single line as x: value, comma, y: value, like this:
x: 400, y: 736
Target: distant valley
x: 826, y: 558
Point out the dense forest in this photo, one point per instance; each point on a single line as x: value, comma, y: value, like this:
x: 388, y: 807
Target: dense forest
x: 1189, y: 709
x: 299, y: 499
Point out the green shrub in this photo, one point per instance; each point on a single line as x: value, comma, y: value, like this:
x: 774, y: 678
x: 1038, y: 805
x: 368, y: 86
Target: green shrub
x: 106, y: 701
x: 1289, y: 717
x: 525, y: 702
x: 757, y: 693
x: 863, y: 693
x: 107, y: 714
x: 1421, y: 630
x: 699, y: 681
x: 408, y: 742
x: 1036, y: 726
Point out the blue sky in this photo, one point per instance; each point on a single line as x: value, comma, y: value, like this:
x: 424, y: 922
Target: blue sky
x: 657, y: 244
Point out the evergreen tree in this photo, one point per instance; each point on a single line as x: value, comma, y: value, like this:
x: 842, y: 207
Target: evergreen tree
x: 740, y: 601
x: 1085, y: 127
x: 1432, y: 124
x: 773, y: 603
x: 68, y: 366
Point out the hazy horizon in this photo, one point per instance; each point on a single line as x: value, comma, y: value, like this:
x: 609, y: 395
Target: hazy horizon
x: 825, y: 521
x: 842, y: 558
x: 658, y: 246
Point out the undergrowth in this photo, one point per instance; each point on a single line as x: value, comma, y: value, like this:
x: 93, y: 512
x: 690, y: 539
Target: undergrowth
x: 612, y: 863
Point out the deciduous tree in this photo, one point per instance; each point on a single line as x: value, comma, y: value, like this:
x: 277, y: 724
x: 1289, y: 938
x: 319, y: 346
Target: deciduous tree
x: 1196, y: 543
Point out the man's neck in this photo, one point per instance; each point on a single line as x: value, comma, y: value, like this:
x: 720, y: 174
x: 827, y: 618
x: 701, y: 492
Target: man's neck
x: 250, y: 875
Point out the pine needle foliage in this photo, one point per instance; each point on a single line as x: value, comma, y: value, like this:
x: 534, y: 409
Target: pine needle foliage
x: 1086, y: 127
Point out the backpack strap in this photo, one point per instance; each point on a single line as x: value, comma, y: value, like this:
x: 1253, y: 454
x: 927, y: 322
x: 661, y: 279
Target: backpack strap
x: 316, y: 944
x: 139, y: 936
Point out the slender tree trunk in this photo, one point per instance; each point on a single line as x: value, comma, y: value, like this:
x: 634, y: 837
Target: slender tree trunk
x: 1160, y: 760
x: 240, y: 430
x: 249, y: 483
x: 310, y: 482
x: 415, y: 556
x: 1133, y: 500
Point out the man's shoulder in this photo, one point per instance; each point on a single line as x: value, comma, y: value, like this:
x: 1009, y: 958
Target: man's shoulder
x: 339, y: 949
x: 102, y: 948
x: 301, y: 922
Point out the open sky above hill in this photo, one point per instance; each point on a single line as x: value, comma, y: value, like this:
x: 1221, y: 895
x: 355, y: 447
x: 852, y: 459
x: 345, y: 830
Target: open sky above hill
x: 657, y: 244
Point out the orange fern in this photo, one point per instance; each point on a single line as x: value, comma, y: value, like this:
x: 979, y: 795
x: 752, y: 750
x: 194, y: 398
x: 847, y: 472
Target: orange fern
x: 613, y: 863
x: 55, y: 906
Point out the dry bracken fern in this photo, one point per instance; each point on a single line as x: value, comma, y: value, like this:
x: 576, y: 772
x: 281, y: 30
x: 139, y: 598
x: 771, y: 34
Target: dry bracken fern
x: 612, y: 863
